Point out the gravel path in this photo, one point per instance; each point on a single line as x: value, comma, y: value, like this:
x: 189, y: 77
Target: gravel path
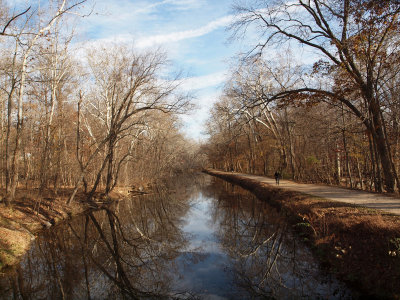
x: 386, y: 203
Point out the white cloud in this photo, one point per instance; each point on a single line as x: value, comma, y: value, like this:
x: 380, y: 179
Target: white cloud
x: 177, y: 27
x: 194, y: 123
x: 182, y: 35
x: 201, y: 82
x: 179, y: 4
x: 168, y: 41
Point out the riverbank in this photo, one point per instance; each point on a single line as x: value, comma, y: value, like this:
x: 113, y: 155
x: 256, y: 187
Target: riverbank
x: 31, y: 213
x: 360, y: 245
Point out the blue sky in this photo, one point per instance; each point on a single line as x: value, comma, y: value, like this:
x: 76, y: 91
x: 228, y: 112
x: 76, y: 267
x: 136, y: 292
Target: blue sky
x: 193, y: 32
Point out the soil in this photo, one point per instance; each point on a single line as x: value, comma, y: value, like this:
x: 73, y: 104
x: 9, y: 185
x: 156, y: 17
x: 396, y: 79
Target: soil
x: 361, y: 245
x: 31, y: 212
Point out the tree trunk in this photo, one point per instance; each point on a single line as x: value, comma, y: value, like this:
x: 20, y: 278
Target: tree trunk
x: 359, y: 174
x: 8, y: 133
x: 381, y: 147
x: 337, y: 165
x: 18, y: 137
x: 109, y: 179
x: 98, y: 177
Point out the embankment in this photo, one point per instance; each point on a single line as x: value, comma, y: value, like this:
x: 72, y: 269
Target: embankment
x: 360, y: 245
x: 31, y: 213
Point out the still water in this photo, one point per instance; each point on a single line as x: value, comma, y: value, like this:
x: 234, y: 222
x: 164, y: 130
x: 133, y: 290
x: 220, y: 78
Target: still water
x: 195, y: 239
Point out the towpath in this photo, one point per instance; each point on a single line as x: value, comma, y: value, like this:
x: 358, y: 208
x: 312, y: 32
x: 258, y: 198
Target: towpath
x: 383, y: 202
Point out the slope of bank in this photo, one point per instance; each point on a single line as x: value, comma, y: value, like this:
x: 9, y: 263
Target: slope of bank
x: 31, y: 213
x: 387, y: 203
x: 360, y: 245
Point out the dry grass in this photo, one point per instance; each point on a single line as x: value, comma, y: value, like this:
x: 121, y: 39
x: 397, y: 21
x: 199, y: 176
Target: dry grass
x: 360, y: 245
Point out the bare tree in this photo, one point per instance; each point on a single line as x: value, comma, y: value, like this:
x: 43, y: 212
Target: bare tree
x: 55, y: 68
x: 26, y: 38
x: 126, y: 84
x: 356, y: 38
x: 250, y: 86
x: 7, y: 21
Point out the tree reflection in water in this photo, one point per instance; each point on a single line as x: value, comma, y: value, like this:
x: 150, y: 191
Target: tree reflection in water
x: 126, y: 251
x: 234, y: 246
x: 266, y: 259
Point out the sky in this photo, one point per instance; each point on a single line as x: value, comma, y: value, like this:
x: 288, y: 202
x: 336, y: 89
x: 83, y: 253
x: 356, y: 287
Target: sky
x: 192, y: 32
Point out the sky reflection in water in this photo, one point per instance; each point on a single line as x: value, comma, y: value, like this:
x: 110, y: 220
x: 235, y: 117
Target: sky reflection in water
x: 207, y: 240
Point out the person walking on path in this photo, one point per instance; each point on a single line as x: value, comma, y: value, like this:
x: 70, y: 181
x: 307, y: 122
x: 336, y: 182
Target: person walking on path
x: 277, y: 175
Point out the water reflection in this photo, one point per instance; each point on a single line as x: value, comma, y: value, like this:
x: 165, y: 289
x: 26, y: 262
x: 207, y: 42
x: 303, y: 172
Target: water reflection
x: 126, y: 251
x: 206, y: 239
x: 267, y: 261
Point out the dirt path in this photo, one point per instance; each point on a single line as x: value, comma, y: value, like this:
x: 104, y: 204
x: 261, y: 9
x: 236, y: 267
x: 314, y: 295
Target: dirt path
x: 377, y: 201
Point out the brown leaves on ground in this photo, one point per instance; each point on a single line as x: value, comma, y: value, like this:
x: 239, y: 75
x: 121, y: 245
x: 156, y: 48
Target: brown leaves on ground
x: 354, y: 242
x: 31, y: 212
x: 13, y: 244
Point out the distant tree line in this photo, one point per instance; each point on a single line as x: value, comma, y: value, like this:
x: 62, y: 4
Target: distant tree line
x: 70, y: 117
x: 333, y: 121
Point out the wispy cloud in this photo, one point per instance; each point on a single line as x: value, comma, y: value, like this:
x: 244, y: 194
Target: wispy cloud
x: 182, y: 35
x: 194, y: 124
x: 178, y: 4
x: 202, y: 82
x: 191, y: 31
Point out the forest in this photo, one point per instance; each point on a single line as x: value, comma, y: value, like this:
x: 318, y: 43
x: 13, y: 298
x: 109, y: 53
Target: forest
x: 108, y: 115
x: 84, y: 117
x: 104, y: 192
x: 333, y: 121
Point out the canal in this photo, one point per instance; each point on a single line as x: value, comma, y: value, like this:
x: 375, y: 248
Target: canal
x: 198, y: 238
